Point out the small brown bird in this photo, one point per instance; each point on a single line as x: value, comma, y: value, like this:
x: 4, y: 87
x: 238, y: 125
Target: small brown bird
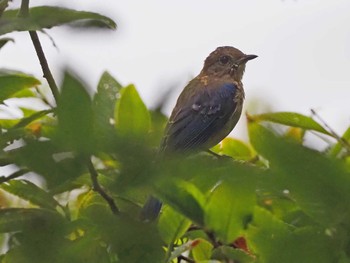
x: 206, y: 111
x: 210, y: 106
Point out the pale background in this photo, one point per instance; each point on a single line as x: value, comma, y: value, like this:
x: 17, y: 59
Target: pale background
x: 303, y: 48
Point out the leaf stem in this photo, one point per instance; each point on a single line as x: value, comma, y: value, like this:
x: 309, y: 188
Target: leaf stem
x: 16, y: 174
x: 97, y: 188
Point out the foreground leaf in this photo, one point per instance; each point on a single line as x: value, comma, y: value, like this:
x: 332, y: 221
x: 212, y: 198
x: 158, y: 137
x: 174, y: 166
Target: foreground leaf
x: 291, y: 119
x: 49, y: 16
x: 75, y: 117
x: 30, y: 192
x: 13, y: 81
x: 131, y: 115
x: 320, y: 185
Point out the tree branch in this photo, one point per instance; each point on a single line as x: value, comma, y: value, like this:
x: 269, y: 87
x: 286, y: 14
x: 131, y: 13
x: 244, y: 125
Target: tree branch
x: 97, y: 188
x: 44, y: 65
x: 24, y: 12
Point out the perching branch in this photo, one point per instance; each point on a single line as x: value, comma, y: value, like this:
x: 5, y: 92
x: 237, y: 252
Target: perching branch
x: 97, y: 188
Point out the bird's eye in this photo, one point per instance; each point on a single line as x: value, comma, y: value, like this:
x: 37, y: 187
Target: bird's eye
x: 224, y: 60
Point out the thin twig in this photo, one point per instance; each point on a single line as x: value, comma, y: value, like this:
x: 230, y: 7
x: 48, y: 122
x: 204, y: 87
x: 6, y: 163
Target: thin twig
x: 335, y: 135
x: 44, y: 65
x: 97, y: 188
x: 181, y: 257
x: 19, y: 173
x: 24, y: 12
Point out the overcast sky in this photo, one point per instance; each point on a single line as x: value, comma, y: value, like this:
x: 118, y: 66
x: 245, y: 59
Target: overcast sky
x: 303, y: 48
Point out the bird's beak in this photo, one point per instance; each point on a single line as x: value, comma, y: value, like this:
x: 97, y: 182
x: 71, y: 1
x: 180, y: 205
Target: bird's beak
x: 245, y: 58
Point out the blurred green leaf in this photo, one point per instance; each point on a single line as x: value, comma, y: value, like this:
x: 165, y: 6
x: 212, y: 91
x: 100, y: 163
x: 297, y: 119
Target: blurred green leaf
x: 225, y: 253
x: 5, y: 40
x: 320, y: 185
x: 27, y: 120
x: 44, y: 158
x: 184, y: 197
x: 275, y: 241
x: 30, y: 192
x: 229, y: 208
x: 131, y: 115
x: 172, y: 225
x: 291, y: 119
x: 3, y: 6
x: 339, y: 146
x: 49, y: 16
x: 103, y: 105
x: 13, y: 81
x: 75, y: 116
x: 15, y: 219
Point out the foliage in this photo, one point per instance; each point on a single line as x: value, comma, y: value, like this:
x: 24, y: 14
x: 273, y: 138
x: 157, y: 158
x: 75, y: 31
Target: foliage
x: 275, y: 200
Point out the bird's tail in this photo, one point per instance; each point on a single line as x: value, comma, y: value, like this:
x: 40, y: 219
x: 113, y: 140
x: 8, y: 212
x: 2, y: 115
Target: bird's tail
x: 151, y: 209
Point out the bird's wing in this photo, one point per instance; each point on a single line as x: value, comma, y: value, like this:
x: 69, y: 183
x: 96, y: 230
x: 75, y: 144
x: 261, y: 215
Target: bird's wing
x: 201, y: 118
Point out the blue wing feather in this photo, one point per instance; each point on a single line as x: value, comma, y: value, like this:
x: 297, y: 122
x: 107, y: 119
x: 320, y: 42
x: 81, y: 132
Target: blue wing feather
x: 201, y: 118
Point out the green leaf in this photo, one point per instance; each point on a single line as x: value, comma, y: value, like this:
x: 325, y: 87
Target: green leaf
x: 172, y: 225
x: 47, y: 160
x: 319, y: 185
x: 339, y: 146
x: 5, y: 40
x: 291, y: 119
x: 14, y: 219
x: 3, y: 6
x: 202, y: 251
x: 230, y: 207
x: 225, y: 252
x: 104, y: 104
x: 182, y: 249
x: 13, y: 81
x: 237, y: 149
x: 75, y: 116
x: 49, y: 16
x: 131, y: 115
x: 275, y: 242
x: 37, y: 115
x: 30, y: 192
x: 184, y: 197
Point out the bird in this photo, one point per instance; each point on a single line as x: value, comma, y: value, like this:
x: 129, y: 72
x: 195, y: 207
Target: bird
x: 206, y: 111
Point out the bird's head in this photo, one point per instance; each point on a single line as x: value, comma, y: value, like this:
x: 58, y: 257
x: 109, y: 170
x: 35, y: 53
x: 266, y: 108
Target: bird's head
x: 226, y: 61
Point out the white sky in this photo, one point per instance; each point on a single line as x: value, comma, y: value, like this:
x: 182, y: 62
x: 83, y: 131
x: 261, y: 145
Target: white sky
x: 303, y: 48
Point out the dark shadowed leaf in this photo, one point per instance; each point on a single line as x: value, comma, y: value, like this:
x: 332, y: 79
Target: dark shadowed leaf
x: 4, y: 41
x: 13, y: 81
x: 50, y: 16
x: 291, y: 119
x: 14, y: 219
x: 30, y: 192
